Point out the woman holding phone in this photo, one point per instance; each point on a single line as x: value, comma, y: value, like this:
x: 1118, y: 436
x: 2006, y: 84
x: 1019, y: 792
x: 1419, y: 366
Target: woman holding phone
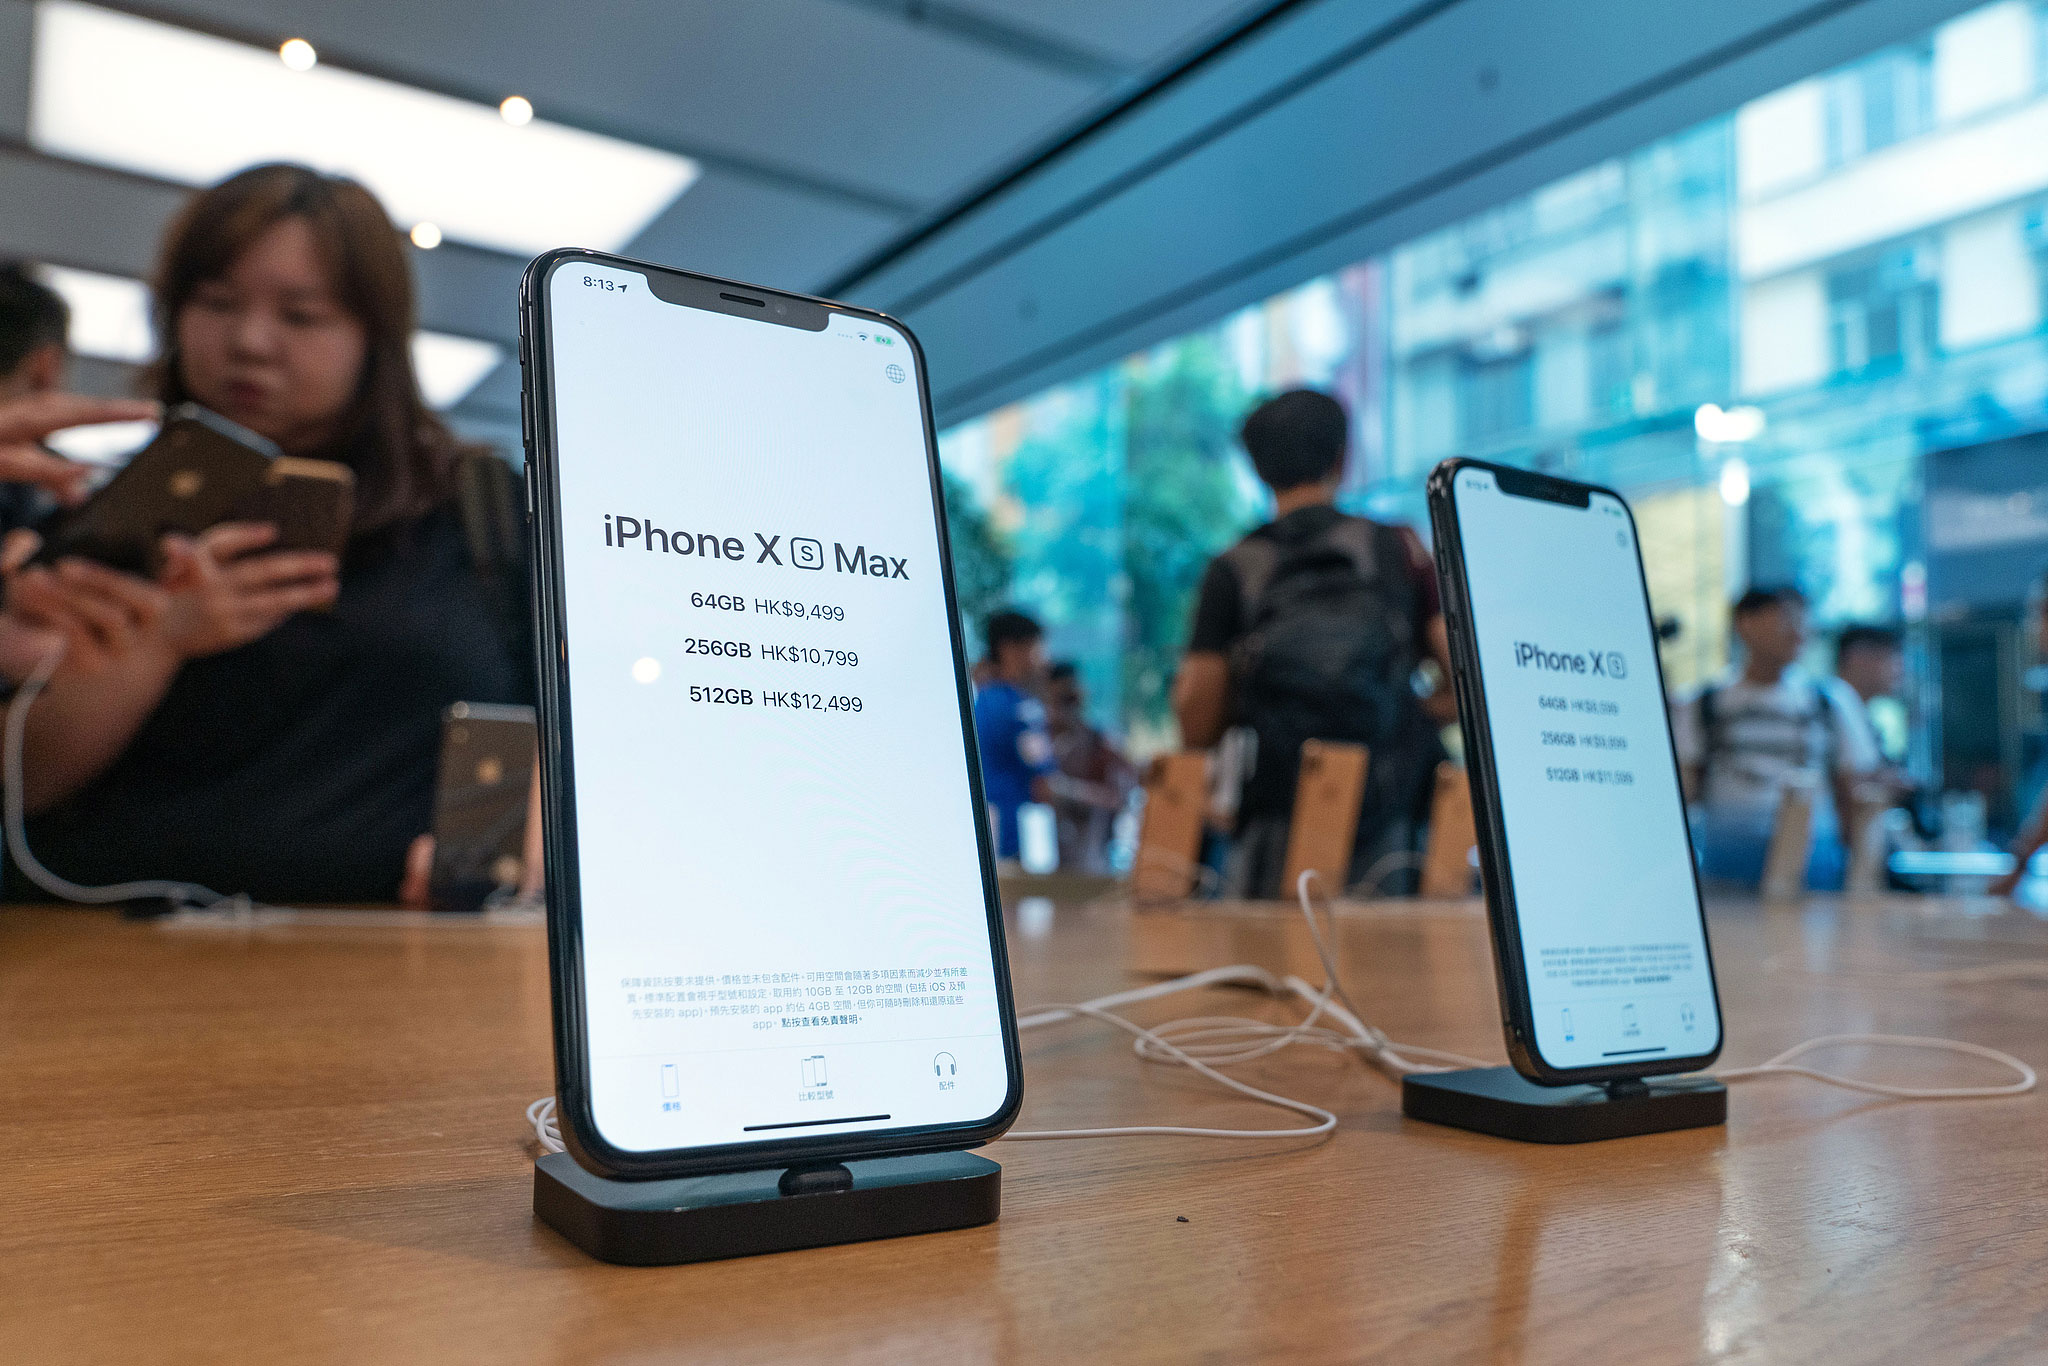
x: 273, y: 728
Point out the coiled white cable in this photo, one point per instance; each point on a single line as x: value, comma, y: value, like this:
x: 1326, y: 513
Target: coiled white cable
x: 546, y: 1130
x: 179, y: 893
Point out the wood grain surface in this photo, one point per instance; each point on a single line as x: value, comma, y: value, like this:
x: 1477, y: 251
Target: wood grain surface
x: 304, y: 1143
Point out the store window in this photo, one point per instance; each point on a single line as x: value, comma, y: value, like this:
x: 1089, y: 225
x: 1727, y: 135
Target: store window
x: 1610, y: 368
x: 1884, y: 312
x: 1496, y: 391
x: 1580, y: 328
x: 2034, y: 228
x: 1878, y: 102
x: 2041, y: 44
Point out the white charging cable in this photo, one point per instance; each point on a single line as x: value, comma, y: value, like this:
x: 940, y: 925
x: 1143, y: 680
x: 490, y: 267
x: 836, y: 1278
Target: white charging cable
x: 1207, y: 1043
x: 1783, y: 1065
x: 546, y: 1129
x: 179, y: 893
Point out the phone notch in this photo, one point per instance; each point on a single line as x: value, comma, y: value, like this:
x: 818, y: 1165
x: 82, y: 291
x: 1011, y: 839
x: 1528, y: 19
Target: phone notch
x: 720, y: 296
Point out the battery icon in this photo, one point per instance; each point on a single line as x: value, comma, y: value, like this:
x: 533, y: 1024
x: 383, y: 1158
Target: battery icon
x: 884, y: 341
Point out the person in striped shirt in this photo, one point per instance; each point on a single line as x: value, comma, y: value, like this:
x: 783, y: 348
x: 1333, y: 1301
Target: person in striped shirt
x: 1764, y: 727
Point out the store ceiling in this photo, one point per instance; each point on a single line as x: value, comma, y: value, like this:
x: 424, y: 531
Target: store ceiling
x: 1037, y: 185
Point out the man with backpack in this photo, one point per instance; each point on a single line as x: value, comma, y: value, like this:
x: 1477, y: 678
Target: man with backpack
x: 1763, y: 728
x: 1312, y: 628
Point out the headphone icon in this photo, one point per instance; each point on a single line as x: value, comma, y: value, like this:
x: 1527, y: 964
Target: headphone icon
x: 943, y: 1065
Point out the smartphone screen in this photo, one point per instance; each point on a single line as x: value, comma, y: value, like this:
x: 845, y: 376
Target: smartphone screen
x: 1612, y: 939
x: 778, y: 845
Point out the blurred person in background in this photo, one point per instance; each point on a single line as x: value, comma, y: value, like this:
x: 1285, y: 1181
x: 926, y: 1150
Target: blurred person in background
x: 34, y: 481
x: 1009, y: 723
x: 1762, y: 728
x: 1314, y: 626
x: 1870, y: 667
x: 108, y: 610
x: 272, y: 725
x: 34, y: 323
x: 1870, y: 664
x: 1094, y: 779
x: 2033, y: 830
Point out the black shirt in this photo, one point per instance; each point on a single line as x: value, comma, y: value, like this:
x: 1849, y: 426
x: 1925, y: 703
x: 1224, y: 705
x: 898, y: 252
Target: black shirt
x: 1219, y: 603
x: 299, y: 767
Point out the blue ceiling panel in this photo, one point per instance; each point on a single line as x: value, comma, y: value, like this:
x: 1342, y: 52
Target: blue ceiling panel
x: 1344, y: 128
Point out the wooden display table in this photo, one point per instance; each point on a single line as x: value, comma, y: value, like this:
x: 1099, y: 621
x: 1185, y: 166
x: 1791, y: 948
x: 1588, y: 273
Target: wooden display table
x: 303, y: 1143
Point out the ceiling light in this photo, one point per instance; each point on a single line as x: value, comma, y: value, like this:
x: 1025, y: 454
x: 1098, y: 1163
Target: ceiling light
x: 298, y: 54
x: 426, y: 236
x: 122, y: 91
x: 109, y: 314
x: 516, y: 110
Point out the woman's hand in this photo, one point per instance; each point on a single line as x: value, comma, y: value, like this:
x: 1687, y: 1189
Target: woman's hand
x: 419, y: 873
x: 99, y: 615
x: 226, y: 590
x: 116, y: 666
x: 24, y: 422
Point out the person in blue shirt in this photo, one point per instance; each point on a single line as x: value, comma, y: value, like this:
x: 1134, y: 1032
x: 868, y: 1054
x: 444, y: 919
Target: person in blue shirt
x: 1009, y: 722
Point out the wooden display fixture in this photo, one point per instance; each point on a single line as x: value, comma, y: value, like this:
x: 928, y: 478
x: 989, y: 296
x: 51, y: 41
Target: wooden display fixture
x: 1325, y: 825
x: 1784, y: 875
x: 1447, y: 860
x: 1170, y: 835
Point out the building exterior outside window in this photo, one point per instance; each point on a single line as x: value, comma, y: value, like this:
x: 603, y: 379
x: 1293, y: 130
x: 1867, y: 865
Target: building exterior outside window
x: 1862, y: 257
x: 1884, y: 311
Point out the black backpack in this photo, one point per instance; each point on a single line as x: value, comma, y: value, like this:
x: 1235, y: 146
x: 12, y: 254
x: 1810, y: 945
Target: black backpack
x: 1329, y: 653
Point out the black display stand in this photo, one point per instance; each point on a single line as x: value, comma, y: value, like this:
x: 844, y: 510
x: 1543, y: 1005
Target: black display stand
x: 1502, y: 1102
x: 737, y: 1214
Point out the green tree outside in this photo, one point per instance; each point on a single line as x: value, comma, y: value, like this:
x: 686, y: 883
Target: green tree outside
x: 981, y: 562
x: 1184, y: 502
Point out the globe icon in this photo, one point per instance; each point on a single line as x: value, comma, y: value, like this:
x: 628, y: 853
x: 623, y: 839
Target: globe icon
x: 894, y: 372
